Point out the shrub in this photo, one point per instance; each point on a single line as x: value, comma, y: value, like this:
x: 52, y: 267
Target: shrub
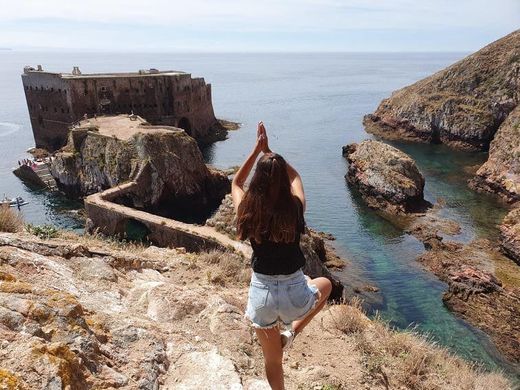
x: 10, y: 220
x: 43, y: 231
x: 349, y: 317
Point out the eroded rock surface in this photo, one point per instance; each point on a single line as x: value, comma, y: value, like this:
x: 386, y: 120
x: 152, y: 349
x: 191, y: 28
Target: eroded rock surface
x: 500, y: 174
x: 483, y: 288
x: 387, y: 178
x: 84, y: 313
x: 510, y: 235
x: 166, y: 163
x: 462, y: 105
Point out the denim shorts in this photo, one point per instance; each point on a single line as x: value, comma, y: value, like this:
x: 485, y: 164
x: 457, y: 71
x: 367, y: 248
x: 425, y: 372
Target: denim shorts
x: 274, y: 298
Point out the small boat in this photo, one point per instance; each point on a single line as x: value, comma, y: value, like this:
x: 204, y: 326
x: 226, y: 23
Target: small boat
x: 13, y: 202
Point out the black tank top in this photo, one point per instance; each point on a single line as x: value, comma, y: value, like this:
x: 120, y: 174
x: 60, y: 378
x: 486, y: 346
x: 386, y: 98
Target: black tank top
x: 279, y: 258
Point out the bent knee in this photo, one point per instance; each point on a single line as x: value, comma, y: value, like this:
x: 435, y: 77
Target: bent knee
x: 326, y: 287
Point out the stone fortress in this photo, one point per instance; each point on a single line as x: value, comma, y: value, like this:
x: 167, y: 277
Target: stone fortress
x: 56, y: 101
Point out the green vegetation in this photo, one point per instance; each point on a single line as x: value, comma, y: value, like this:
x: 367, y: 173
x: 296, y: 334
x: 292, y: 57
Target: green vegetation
x: 43, y: 231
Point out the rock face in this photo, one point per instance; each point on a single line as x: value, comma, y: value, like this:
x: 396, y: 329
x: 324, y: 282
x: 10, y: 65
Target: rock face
x: 510, y: 235
x: 462, y: 105
x: 316, y: 253
x: 88, y: 315
x: 483, y: 288
x: 501, y: 172
x: 387, y: 178
x: 77, y: 312
x: 166, y: 163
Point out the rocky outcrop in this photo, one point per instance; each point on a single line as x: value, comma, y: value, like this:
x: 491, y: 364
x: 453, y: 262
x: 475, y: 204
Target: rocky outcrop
x: 317, y: 252
x: 462, y: 105
x: 77, y: 312
x: 510, y: 235
x: 483, y: 288
x: 166, y: 163
x: 387, y: 178
x: 500, y: 174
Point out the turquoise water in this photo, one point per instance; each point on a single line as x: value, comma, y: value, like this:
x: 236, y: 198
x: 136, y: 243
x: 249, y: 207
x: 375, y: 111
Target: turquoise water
x: 312, y: 105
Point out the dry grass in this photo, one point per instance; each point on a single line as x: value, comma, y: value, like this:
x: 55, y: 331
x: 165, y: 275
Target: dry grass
x: 407, y: 359
x: 10, y: 220
x: 349, y: 318
x: 225, y: 267
x: 97, y: 239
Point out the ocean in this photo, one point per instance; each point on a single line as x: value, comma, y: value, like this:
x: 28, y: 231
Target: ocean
x: 312, y: 104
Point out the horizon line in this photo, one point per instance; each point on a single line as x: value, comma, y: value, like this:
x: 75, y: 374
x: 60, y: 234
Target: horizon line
x: 183, y: 51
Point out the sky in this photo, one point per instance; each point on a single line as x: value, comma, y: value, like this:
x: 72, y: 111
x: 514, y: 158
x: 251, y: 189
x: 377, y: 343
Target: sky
x: 256, y: 25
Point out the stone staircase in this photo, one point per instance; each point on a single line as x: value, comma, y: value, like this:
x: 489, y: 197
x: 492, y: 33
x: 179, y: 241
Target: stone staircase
x: 43, y: 172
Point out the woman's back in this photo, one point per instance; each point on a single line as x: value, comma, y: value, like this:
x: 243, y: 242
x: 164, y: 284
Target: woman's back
x: 279, y: 258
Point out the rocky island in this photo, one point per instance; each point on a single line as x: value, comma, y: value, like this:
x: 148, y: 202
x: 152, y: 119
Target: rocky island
x: 165, y: 163
x: 387, y: 178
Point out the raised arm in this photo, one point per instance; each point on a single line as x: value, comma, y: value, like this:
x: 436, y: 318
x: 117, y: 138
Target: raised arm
x: 296, y: 184
x: 237, y: 186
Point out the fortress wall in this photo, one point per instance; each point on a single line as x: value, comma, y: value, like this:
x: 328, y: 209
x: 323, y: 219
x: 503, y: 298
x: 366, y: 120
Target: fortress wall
x: 202, y: 116
x: 159, y: 99
x: 167, y: 99
x: 49, y: 103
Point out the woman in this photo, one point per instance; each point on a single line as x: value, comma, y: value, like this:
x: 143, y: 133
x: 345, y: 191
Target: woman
x: 270, y: 214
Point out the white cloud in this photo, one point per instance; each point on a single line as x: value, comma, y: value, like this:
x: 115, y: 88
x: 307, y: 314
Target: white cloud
x: 269, y: 14
x: 66, y: 23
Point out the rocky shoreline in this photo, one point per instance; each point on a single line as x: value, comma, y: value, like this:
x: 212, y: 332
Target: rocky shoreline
x: 483, y: 284
x: 471, y: 105
x: 484, y: 294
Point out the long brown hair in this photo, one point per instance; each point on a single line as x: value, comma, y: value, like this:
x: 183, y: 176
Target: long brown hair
x: 268, y: 207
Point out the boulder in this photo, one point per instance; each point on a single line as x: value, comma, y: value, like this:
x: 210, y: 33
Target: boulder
x: 387, y: 178
x: 462, y: 105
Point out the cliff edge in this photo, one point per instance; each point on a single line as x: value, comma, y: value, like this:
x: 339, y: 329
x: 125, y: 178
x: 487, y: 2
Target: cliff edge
x: 81, y: 312
x: 462, y: 105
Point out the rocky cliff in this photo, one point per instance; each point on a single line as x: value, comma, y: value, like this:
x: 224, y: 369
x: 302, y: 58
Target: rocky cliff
x: 462, y: 105
x: 166, y: 163
x: 483, y: 288
x: 501, y: 172
x: 387, y: 178
x: 510, y: 235
x: 78, y: 312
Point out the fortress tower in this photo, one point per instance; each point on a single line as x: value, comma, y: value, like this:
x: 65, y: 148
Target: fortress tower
x: 58, y: 100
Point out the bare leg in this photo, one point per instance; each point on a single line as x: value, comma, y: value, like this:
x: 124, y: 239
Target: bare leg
x: 272, y: 347
x: 325, y: 287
